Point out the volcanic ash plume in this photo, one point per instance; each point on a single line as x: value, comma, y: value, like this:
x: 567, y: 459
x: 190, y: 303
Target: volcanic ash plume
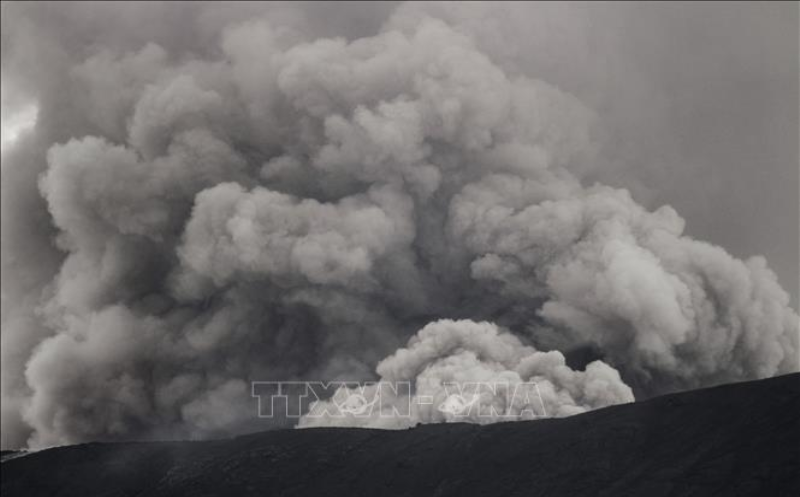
x: 488, y: 371
x: 274, y: 205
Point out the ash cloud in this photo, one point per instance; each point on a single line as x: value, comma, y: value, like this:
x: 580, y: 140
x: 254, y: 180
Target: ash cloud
x: 447, y: 360
x: 286, y: 192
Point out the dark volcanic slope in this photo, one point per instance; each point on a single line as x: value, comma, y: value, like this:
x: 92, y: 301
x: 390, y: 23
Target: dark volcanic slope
x: 741, y: 439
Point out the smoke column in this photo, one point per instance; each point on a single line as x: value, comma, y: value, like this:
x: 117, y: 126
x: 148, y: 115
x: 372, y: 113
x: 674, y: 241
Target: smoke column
x: 215, y: 195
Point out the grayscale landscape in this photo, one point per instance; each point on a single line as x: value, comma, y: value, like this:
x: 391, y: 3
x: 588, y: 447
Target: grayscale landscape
x: 400, y: 248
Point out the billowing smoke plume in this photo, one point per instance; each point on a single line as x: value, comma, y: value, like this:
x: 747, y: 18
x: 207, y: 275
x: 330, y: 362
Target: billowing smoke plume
x: 268, y: 204
x: 490, y: 373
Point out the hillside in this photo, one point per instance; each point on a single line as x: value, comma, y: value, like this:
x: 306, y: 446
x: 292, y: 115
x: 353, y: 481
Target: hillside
x: 737, y: 439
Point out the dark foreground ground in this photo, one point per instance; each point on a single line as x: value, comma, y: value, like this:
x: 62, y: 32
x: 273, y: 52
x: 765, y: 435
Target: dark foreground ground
x: 740, y: 439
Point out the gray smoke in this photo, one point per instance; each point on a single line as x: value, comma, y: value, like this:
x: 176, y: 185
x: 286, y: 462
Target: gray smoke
x: 218, y: 194
x: 452, y: 361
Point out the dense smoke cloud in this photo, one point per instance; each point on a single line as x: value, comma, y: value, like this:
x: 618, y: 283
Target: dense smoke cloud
x: 263, y: 200
x: 490, y: 373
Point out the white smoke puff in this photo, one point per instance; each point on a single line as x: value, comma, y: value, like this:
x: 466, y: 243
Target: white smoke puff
x: 446, y: 360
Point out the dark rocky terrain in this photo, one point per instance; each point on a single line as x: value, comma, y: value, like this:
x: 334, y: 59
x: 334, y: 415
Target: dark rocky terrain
x: 731, y: 440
